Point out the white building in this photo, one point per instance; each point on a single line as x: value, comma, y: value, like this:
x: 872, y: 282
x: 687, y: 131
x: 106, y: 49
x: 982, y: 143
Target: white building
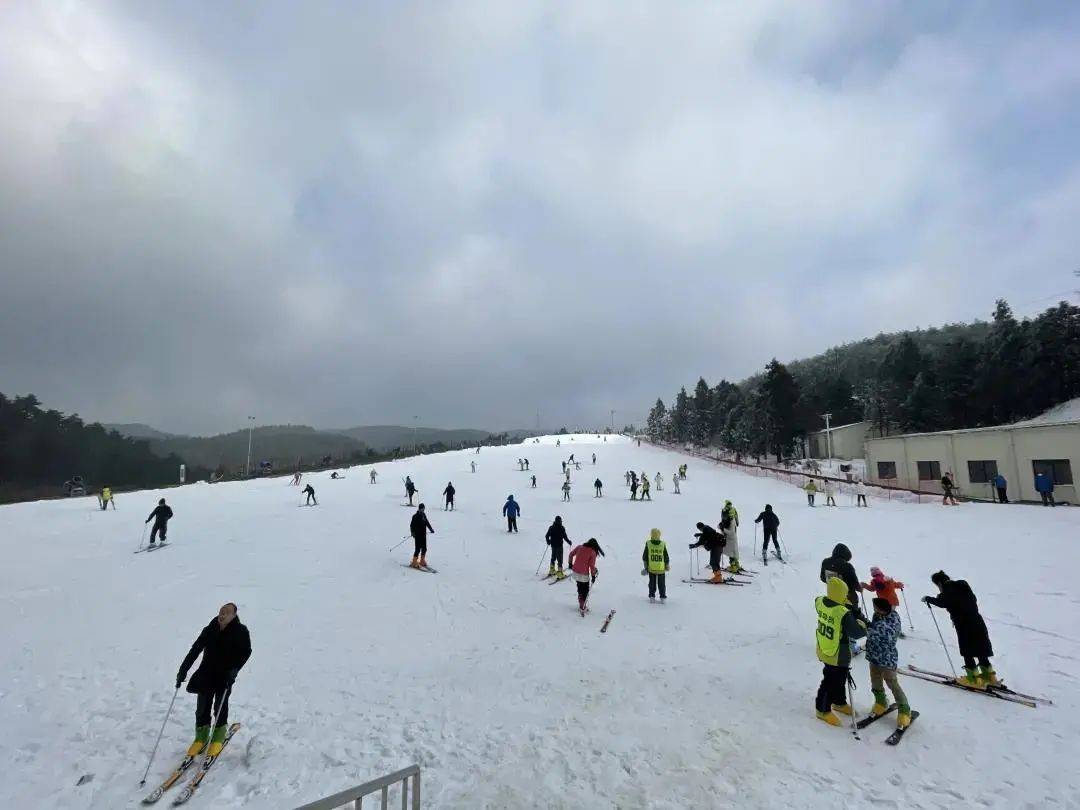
x: 976, y: 455
x: 847, y: 441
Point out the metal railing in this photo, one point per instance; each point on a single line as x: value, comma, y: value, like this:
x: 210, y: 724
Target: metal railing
x: 381, y: 786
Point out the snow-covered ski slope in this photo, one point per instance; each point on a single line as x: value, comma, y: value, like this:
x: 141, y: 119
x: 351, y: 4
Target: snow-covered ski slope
x: 488, y: 677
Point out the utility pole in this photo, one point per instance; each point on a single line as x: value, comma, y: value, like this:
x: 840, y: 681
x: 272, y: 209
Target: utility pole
x: 414, y: 434
x: 247, y: 467
x: 613, y: 420
x: 828, y: 435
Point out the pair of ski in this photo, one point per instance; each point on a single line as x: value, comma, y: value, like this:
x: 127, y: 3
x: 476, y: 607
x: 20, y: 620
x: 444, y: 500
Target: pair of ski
x: 1000, y: 691
x: 183, y: 767
x: 729, y: 581
x: 897, y: 735
x: 150, y: 548
x: 556, y: 578
x: 765, y: 559
x: 425, y: 568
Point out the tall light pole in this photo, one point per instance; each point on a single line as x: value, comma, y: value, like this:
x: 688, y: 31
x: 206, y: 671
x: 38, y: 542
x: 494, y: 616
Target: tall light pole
x: 414, y: 434
x: 828, y: 435
x: 247, y: 467
x: 613, y: 420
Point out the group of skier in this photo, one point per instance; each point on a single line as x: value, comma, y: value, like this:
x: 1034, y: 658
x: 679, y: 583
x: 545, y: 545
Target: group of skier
x: 841, y: 623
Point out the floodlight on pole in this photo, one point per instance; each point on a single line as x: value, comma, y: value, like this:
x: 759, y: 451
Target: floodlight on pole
x: 247, y: 467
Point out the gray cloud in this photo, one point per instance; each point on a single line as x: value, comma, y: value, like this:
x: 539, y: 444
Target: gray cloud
x: 469, y: 211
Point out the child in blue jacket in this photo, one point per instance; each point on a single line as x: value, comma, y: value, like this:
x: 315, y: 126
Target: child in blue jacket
x: 881, y: 653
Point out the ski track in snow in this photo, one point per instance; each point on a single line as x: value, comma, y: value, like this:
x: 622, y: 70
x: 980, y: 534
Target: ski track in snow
x: 489, y: 678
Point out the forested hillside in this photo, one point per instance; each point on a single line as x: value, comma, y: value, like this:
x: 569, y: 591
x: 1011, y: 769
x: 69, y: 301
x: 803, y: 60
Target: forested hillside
x: 957, y: 376
x: 41, y: 449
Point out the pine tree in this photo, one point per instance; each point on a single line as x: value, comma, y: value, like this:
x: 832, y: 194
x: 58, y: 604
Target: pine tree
x: 780, y: 393
x: 655, y: 425
x: 701, y: 414
x: 680, y: 417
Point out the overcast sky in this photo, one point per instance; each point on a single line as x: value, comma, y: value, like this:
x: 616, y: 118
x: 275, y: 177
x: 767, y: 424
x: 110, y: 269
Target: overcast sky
x: 354, y: 213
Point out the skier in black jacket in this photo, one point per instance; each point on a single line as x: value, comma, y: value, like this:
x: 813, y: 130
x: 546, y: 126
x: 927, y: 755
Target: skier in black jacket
x: 972, y: 636
x: 839, y: 565
x: 713, y: 542
x: 160, y: 516
x: 419, y: 526
x: 449, y: 493
x: 225, y: 646
x: 309, y: 490
x: 769, y: 524
x: 555, y: 537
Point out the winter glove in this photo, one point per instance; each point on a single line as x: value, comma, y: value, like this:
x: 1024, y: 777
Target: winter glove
x: 667, y: 568
x: 179, y: 679
x: 230, y: 677
x: 594, y: 577
x: 644, y: 572
x: 926, y: 600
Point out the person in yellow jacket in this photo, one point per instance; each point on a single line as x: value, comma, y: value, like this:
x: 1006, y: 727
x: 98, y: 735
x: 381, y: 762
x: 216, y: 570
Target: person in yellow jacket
x: 837, y: 626
x: 106, y: 497
x: 811, y: 490
x: 657, y: 564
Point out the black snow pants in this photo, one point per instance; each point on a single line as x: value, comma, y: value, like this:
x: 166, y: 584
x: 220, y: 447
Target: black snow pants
x: 204, y: 708
x: 1003, y: 496
x: 714, y: 558
x: 556, y: 553
x: 770, y: 534
x: 833, y: 689
x: 159, y: 527
x: 582, y: 593
x: 658, y: 581
x: 511, y: 523
x: 419, y: 545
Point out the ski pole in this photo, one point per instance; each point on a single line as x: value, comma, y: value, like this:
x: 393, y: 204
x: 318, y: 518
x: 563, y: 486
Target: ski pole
x: 851, y: 705
x: 156, y: 742
x: 781, y: 536
x: 946, y: 649
x: 911, y: 624
x: 403, y: 539
x: 541, y: 563
x: 862, y: 596
x: 142, y: 537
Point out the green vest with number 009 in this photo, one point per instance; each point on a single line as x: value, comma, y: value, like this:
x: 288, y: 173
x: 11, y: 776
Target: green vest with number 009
x: 656, y: 556
x: 829, y: 630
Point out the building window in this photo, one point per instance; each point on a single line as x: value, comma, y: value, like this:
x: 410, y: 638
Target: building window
x: 886, y: 470
x: 1058, y: 470
x: 981, y: 472
x: 929, y: 470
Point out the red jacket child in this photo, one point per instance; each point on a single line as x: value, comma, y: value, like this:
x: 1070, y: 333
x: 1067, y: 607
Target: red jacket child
x: 885, y: 587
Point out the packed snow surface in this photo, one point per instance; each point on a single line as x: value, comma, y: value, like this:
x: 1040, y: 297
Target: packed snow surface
x: 489, y: 678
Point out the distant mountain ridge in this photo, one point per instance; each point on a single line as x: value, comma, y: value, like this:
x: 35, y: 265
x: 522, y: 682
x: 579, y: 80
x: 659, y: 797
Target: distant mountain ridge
x: 388, y: 437
x: 137, y: 430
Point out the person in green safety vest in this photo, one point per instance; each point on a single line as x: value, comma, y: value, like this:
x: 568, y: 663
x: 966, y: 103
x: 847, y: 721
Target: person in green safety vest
x: 837, y: 626
x: 657, y: 564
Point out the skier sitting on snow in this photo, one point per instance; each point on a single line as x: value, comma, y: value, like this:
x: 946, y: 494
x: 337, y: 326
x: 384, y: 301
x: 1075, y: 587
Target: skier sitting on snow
x: 881, y: 654
x: 309, y: 490
x: 657, y: 564
x: 769, y: 524
x: 225, y: 646
x: 583, y: 567
x: 837, y: 628
x: 160, y: 516
x: 959, y: 600
x: 419, y: 526
x: 713, y: 542
x: 555, y: 537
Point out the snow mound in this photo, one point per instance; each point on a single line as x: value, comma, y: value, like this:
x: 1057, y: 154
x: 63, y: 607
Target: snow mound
x: 487, y: 677
x: 1065, y: 412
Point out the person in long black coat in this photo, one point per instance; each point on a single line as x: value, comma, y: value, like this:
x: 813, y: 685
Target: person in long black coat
x: 959, y: 600
x: 555, y: 537
x: 225, y: 645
